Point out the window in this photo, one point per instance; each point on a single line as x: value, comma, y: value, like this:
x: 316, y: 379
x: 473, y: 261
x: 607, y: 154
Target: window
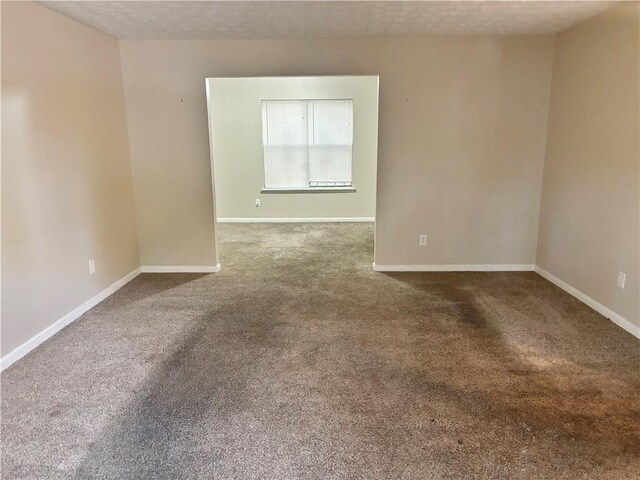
x: 307, y: 144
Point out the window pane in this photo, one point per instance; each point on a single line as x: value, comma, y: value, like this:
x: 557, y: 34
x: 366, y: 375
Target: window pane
x: 285, y: 138
x: 329, y: 163
x: 332, y: 122
x: 331, y: 143
x: 307, y: 143
x: 285, y: 166
x: 286, y: 123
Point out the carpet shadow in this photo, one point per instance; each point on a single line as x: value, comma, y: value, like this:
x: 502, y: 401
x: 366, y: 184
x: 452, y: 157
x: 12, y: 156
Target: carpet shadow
x: 569, y: 399
x: 203, y: 378
x: 448, y: 288
x: 141, y: 288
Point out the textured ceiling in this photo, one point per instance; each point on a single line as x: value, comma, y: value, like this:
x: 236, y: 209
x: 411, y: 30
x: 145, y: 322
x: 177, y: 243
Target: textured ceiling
x: 324, y: 18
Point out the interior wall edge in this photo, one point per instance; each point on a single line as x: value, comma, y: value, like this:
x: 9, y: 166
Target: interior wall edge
x: 588, y: 228
x: 131, y: 163
x: 20, y: 351
x: 545, y: 146
x: 180, y: 269
x: 486, y: 267
x: 163, y: 82
x: 587, y: 300
x: 295, y: 220
x: 67, y: 186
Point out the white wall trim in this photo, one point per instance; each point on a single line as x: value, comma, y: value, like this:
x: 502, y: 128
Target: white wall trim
x: 180, y: 269
x: 20, y: 351
x: 295, y: 220
x: 597, y: 306
x: 491, y: 267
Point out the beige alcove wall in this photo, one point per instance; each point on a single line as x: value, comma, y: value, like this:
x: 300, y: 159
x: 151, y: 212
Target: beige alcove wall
x: 237, y: 157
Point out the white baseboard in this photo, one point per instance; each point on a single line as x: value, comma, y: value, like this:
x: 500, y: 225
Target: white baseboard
x: 597, y: 306
x: 492, y: 267
x: 20, y: 351
x: 296, y: 220
x: 178, y: 269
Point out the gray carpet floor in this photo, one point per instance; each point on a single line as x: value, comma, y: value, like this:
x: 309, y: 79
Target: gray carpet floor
x: 299, y: 361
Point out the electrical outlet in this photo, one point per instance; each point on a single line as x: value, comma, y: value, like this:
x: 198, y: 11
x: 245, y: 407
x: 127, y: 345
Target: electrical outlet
x: 257, y: 202
x: 422, y: 240
x: 622, y: 277
x: 92, y: 266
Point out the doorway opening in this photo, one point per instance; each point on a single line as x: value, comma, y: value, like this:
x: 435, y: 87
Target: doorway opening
x: 293, y: 164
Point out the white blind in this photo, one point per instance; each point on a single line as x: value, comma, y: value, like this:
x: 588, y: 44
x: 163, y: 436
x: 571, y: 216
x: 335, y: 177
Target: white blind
x: 307, y: 143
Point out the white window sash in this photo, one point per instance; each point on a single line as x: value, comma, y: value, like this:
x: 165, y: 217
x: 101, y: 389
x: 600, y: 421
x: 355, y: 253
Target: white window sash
x: 307, y: 143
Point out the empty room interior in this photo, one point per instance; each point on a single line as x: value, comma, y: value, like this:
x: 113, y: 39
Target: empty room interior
x: 320, y: 239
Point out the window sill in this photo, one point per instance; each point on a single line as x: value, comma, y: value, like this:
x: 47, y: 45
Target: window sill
x: 310, y: 190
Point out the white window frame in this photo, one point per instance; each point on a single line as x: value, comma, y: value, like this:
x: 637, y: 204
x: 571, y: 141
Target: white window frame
x: 322, y: 187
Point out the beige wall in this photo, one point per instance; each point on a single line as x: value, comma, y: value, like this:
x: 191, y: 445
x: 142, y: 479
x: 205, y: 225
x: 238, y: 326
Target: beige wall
x: 463, y: 127
x: 66, y: 179
x: 589, y: 221
x: 236, y: 120
x: 461, y: 139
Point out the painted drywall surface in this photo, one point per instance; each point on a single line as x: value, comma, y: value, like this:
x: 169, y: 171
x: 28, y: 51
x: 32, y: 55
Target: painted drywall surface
x: 67, y: 190
x: 462, y: 127
x: 590, y: 213
x: 236, y: 119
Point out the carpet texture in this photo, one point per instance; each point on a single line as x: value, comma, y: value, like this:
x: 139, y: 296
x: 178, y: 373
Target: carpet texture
x: 299, y: 361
